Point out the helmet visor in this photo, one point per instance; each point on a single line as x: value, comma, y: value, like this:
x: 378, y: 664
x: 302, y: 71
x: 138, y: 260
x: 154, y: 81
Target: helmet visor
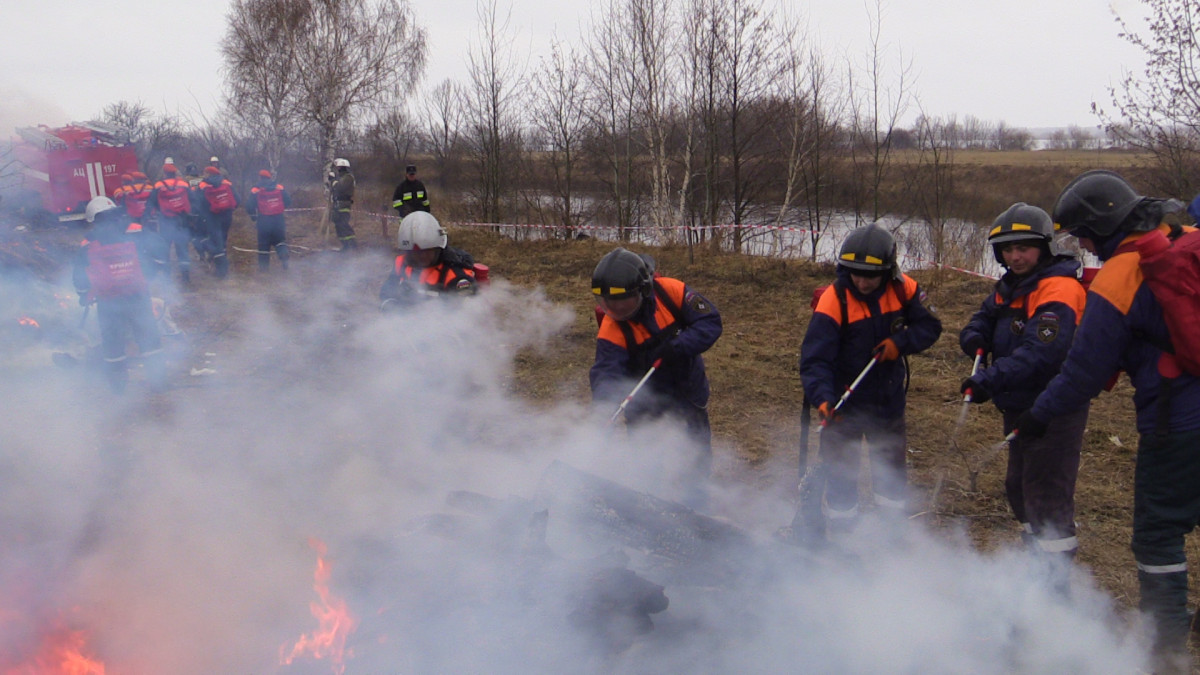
x: 619, y: 308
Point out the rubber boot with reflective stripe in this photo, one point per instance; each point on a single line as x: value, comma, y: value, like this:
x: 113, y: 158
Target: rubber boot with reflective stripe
x: 1164, y: 598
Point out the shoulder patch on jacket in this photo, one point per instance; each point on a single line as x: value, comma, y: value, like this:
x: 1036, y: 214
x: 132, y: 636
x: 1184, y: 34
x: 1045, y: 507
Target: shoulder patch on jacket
x: 698, y: 304
x: 1047, y: 326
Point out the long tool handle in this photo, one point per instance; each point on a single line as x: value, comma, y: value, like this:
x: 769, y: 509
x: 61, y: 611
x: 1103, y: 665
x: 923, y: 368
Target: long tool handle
x: 849, y: 390
x: 855, y: 383
x: 621, y: 408
x: 974, y: 369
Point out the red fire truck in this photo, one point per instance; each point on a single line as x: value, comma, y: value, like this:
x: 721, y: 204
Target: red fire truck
x: 58, y: 171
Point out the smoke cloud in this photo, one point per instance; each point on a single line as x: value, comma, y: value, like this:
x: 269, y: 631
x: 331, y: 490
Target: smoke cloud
x: 174, y: 529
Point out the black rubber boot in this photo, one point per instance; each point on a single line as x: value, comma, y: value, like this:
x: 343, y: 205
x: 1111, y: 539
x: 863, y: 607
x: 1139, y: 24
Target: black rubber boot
x: 1164, y: 599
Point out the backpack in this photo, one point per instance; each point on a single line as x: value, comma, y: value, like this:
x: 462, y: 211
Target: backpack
x: 114, y: 270
x: 220, y: 197
x: 1171, y: 268
x: 173, y: 198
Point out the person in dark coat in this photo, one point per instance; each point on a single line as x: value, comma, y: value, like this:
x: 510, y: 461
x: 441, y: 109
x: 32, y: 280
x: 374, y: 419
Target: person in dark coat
x: 1123, y: 329
x: 410, y: 194
x: 873, y: 311
x: 654, y: 321
x: 113, y: 269
x: 171, y: 200
x: 215, y: 202
x: 268, y: 200
x: 1026, y: 325
x: 341, y: 197
x: 426, y: 267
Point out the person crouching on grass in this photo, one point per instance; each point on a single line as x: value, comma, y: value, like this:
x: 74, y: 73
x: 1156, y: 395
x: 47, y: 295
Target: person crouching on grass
x: 872, y: 311
x: 1027, y: 325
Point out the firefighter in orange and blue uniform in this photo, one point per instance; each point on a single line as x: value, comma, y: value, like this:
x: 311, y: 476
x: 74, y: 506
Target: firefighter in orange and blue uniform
x: 647, y: 318
x: 1027, y: 325
x: 171, y: 199
x: 872, y: 311
x: 215, y: 203
x: 135, y: 197
x: 126, y: 186
x: 1123, y: 329
x: 268, y: 200
x: 426, y: 268
x: 113, y: 269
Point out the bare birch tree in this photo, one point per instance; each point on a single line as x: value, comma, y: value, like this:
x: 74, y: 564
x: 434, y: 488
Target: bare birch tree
x: 612, y: 80
x: 493, y: 98
x: 445, y: 119
x: 558, y: 115
x: 877, y: 104
x: 261, y: 88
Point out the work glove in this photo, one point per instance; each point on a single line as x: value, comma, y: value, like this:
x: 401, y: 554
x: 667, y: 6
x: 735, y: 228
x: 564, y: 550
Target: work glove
x: 665, y: 350
x: 973, y: 343
x: 979, y: 392
x: 83, y: 299
x: 825, y: 413
x: 886, y: 350
x: 1029, y: 427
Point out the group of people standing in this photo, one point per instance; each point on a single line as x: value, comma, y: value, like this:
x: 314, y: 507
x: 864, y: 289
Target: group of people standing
x: 1046, y: 346
x: 197, y: 211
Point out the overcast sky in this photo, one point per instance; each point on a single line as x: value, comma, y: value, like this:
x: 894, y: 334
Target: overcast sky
x: 1030, y: 63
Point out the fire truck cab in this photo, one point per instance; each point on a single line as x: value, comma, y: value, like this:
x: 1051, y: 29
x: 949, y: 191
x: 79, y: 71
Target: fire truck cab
x: 59, y: 170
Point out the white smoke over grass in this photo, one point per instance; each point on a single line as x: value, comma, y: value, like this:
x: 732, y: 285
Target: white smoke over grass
x: 174, y: 528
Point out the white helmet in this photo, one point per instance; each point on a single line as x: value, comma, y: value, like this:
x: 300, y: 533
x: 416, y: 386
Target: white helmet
x: 339, y: 162
x: 420, y: 231
x: 97, y: 206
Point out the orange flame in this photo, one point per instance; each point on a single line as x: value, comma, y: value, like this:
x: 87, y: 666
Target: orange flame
x: 62, y: 653
x: 333, y: 617
x: 26, y: 321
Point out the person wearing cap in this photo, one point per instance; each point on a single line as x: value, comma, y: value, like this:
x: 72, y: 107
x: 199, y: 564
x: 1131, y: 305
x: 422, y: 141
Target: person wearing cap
x: 215, y: 203
x: 171, y: 200
x: 268, y: 200
x: 126, y: 186
x: 655, y: 321
x: 872, y: 315
x: 410, y: 194
x: 136, y: 196
x: 113, y: 269
x: 1026, y: 324
x: 341, y: 197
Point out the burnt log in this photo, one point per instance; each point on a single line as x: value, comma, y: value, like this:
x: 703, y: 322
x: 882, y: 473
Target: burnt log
x: 686, y: 545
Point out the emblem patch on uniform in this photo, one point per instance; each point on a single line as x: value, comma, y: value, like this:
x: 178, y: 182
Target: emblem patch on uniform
x: 463, y: 283
x: 697, y: 304
x: 1047, y: 327
x: 1017, y: 326
x: 923, y: 298
x: 897, y: 324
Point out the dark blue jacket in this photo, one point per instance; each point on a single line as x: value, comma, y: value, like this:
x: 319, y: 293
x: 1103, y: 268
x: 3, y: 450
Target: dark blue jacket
x: 831, y: 355
x: 681, y: 378
x: 1029, y: 324
x: 1120, y: 328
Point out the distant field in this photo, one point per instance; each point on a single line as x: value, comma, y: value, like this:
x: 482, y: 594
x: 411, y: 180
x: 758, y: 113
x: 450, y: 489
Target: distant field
x: 1072, y: 158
